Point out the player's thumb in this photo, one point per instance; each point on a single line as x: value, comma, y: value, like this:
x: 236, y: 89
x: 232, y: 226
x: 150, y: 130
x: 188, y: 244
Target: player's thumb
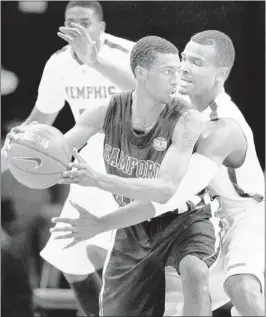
x: 78, y: 157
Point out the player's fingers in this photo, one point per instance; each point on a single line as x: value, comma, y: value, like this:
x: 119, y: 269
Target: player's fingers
x: 64, y: 220
x: 80, y: 209
x: 81, y: 29
x: 12, y: 136
x: 79, y: 166
x: 69, y: 181
x: 78, y: 156
x: 65, y: 37
x: 33, y: 122
x: 73, y: 173
x: 19, y: 129
x: 70, y: 31
x: 63, y: 229
x: 65, y: 236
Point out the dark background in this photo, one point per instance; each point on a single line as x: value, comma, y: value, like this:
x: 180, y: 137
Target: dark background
x: 29, y: 39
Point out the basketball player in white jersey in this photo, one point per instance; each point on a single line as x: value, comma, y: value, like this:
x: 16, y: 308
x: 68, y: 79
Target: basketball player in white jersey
x: 226, y: 160
x: 66, y: 78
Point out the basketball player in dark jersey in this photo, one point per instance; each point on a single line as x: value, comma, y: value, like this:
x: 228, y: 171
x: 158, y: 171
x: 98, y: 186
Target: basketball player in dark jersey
x: 149, y: 139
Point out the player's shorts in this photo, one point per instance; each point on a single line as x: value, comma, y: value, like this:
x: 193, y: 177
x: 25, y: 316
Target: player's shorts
x: 243, y: 244
x: 74, y: 260
x: 134, y: 273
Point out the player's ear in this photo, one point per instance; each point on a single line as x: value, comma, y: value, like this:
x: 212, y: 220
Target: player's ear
x: 222, y: 74
x: 139, y: 72
x: 103, y: 26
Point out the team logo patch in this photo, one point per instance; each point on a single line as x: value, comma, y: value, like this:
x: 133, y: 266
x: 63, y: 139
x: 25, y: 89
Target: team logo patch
x: 160, y: 144
x: 38, y: 162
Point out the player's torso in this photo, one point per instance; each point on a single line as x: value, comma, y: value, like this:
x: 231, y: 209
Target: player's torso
x: 130, y: 154
x: 239, y: 181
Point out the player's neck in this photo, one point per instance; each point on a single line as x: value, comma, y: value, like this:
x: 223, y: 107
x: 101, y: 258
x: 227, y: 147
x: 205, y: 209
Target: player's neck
x: 145, y: 107
x: 201, y: 102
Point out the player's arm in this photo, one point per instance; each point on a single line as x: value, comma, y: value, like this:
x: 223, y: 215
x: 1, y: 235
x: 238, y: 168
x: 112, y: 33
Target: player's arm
x: 117, y: 71
x: 173, y: 167
x: 212, y: 149
x: 89, y: 123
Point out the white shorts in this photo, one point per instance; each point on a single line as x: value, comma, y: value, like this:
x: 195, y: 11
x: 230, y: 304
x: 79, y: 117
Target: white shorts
x: 243, y: 243
x: 74, y: 260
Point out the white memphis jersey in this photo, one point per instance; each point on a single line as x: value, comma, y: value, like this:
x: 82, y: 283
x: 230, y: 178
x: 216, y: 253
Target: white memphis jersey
x: 237, y: 187
x: 65, y: 79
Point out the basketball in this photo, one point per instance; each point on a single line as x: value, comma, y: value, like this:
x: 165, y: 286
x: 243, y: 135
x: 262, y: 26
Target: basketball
x: 39, y: 157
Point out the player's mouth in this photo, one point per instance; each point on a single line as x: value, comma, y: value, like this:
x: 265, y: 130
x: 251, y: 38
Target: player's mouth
x: 184, y: 82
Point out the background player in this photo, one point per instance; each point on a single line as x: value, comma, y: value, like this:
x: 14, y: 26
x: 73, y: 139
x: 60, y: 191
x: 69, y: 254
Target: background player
x: 226, y: 143
x: 66, y: 78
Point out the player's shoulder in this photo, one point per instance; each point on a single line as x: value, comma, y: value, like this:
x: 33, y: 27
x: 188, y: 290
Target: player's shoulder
x: 184, y: 108
x: 117, y: 43
x: 190, y: 119
x: 60, y: 55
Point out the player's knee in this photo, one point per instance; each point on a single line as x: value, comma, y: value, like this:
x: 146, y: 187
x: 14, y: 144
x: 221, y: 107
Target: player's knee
x: 96, y: 255
x: 194, y: 273
x: 73, y: 278
x: 242, y: 286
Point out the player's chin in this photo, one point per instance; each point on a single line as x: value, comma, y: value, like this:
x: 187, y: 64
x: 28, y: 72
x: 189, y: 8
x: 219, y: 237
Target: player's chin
x: 168, y: 98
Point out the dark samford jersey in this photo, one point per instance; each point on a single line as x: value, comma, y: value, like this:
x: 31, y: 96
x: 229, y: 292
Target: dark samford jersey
x: 130, y: 154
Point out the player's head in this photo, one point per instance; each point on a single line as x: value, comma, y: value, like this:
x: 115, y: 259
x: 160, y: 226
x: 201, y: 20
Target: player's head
x: 154, y: 62
x: 206, y: 62
x: 89, y: 14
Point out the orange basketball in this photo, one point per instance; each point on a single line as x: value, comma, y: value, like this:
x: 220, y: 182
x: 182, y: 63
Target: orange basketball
x: 39, y: 157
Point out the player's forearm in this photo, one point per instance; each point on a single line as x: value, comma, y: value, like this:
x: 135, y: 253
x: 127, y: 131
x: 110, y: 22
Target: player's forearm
x: 119, y: 75
x: 40, y: 117
x: 148, y: 189
x: 129, y: 215
x: 200, y: 173
x: 77, y: 136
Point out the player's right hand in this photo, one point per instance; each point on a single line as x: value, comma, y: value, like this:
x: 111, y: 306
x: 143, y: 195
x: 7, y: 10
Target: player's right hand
x: 81, y: 42
x: 14, y: 134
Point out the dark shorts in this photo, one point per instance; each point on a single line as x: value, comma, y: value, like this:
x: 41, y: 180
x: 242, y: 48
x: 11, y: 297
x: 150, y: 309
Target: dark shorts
x: 134, y: 279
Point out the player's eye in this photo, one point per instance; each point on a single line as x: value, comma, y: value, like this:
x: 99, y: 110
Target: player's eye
x: 197, y: 62
x: 166, y: 72
x: 85, y: 24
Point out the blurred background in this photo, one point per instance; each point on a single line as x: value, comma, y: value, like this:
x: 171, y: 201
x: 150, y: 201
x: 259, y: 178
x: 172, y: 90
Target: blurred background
x: 28, y: 34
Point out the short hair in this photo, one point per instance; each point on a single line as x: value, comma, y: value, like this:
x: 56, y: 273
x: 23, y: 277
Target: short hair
x: 94, y: 5
x: 145, y: 50
x: 225, y: 55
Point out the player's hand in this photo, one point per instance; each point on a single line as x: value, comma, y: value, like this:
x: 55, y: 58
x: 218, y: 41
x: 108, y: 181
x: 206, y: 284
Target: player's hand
x: 79, y: 173
x: 80, y: 41
x: 85, y: 227
x: 14, y: 134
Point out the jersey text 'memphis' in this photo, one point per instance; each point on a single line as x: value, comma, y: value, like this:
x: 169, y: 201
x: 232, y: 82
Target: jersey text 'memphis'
x: 90, y: 92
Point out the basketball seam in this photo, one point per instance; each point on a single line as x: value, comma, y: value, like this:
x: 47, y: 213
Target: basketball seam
x: 37, y: 173
x: 44, y: 154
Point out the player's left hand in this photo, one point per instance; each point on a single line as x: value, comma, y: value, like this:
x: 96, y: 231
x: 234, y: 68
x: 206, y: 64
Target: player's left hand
x: 81, y: 42
x: 83, y: 228
x: 79, y: 173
